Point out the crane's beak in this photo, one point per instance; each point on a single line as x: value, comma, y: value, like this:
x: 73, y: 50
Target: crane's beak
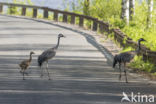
x: 64, y: 36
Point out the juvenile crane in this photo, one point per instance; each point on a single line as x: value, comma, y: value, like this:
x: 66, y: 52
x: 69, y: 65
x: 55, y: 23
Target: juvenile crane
x: 126, y: 57
x: 25, y: 64
x: 48, y: 54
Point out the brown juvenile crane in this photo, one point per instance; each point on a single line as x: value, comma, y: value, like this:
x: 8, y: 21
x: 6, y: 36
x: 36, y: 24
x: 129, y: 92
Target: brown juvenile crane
x: 25, y: 64
x: 126, y: 57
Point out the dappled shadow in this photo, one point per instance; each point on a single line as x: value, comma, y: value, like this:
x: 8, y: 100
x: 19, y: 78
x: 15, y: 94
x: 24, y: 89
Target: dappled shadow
x: 76, y: 78
x: 84, y: 81
x: 90, y: 39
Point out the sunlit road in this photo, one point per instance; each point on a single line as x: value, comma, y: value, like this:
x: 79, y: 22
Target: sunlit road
x: 81, y: 72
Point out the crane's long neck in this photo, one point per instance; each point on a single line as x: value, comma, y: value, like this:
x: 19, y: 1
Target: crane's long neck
x: 30, y: 58
x: 58, y: 42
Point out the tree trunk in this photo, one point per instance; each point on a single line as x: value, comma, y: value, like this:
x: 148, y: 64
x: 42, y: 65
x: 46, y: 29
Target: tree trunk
x: 86, y: 7
x: 149, y: 16
x: 131, y: 9
x: 125, y: 11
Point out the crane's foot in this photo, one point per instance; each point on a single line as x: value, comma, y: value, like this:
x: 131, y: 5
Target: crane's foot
x: 41, y: 75
x: 119, y: 77
x: 26, y: 73
x: 49, y: 78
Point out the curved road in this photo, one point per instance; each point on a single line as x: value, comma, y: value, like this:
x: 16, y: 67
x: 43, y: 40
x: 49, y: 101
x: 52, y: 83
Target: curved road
x: 80, y: 72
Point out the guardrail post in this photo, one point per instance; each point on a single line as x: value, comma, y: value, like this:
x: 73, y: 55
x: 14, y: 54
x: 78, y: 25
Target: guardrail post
x: 72, y: 19
x: 1, y: 8
x: 24, y: 11
x: 81, y: 19
x: 65, y: 18
x: 34, y: 12
x: 101, y: 27
x: 94, y: 28
x: 11, y: 10
x: 55, y: 16
x: 45, y: 13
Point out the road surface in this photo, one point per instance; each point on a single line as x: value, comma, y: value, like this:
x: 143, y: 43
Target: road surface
x: 81, y: 71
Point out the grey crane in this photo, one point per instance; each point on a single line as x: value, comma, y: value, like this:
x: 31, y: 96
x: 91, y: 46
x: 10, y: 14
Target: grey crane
x: 126, y: 57
x: 48, y: 54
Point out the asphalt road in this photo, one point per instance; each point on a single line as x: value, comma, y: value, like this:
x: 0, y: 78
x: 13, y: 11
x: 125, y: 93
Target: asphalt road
x: 81, y: 71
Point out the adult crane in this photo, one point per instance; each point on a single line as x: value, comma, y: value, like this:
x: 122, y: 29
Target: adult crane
x: 47, y: 55
x: 126, y: 57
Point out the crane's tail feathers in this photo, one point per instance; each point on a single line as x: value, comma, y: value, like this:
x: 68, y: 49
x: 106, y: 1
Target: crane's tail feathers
x: 115, y: 61
x: 39, y: 64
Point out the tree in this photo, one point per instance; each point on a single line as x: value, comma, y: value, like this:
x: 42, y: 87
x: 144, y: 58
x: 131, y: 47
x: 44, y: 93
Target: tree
x: 125, y: 11
x: 86, y: 7
x: 131, y: 9
x: 149, y: 15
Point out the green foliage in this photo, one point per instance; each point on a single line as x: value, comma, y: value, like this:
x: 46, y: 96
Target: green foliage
x: 117, y: 22
x: 127, y: 49
x: 137, y: 28
x: 66, y: 5
x: 86, y: 5
x: 144, y: 66
x: 77, y: 8
x: 14, y: 10
x: 17, y: 10
x: 105, y: 9
x: 87, y: 24
x: 138, y: 62
x: 110, y: 11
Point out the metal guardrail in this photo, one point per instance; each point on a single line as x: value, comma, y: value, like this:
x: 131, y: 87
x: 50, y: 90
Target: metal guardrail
x: 97, y: 25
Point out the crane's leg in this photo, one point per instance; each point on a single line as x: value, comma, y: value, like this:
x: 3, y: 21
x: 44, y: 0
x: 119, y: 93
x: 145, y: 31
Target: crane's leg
x: 125, y: 72
x: 41, y: 71
x: 21, y: 70
x: 23, y: 74
x: 120, y: 71
x: 48, y: 71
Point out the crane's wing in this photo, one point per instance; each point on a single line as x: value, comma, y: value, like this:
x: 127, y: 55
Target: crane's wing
x: 127, y: 56
x: 48, y: 54
x: 24, y: 63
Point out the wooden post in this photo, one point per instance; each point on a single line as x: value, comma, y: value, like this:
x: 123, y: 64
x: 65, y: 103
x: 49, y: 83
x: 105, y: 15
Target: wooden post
x: 11, y: 9
x: 72, y: 19
x: 23, y: 11
x: 101, y: 27
x: 81, y: 19
x: 94, y: 28
x: 45, y: 13
x: 55, y: 16
x: 1, y: 8
x: 34, y: 12
x: 106, y: 27
x: 65, y: 18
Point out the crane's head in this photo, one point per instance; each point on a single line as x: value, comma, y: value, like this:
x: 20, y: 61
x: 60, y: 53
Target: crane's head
x: 141, y: 39
x: 32, y: 52
x: 61, y: 35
